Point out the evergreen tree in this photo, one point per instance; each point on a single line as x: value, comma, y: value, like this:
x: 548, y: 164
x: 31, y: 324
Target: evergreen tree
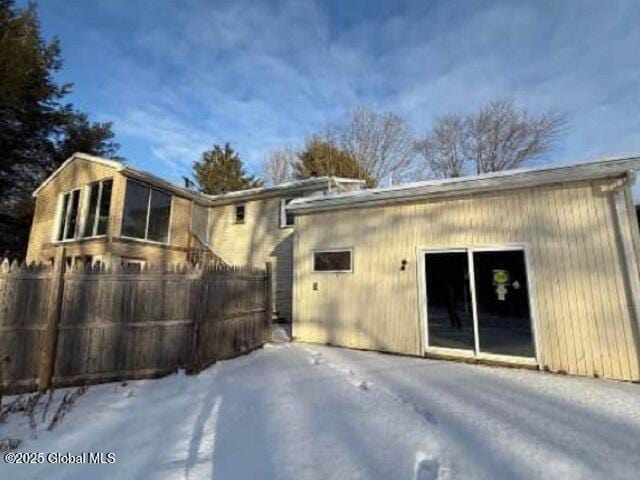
x: 37, y: 130
x: 321, y: 157
x: 220, y: 170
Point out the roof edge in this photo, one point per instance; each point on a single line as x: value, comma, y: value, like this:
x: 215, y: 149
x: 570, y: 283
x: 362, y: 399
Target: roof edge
x: 117, y: 165
x: 498, y: 181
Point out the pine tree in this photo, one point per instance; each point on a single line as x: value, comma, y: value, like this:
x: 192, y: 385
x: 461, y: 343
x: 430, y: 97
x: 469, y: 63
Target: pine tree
x: 321, y: 157
x: 220, y: 170
x: 38, y: 131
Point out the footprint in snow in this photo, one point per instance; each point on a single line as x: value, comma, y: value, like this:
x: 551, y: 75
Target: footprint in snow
x: 427, y: 468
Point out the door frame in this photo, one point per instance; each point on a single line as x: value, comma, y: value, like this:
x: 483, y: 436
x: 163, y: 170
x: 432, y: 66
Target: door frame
x: 422, y: 252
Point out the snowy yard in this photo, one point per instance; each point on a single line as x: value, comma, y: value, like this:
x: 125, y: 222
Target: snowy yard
x: 298, y: 411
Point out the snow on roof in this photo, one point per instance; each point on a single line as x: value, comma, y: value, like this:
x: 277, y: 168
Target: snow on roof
x: 523, y: 177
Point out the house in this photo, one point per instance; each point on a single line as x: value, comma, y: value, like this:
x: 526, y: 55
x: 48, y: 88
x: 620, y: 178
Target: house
x: 533, y: 267
x: 104, y: 211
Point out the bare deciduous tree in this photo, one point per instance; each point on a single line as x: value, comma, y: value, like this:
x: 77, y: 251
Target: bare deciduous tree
x: 502, y: 137
x: 278, y: 166
x: 497, y: 137
x: 445, y: 147
x: 381, y: 143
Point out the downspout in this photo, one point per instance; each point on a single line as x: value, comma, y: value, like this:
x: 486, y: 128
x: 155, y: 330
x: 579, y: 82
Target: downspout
x: 628, y: 233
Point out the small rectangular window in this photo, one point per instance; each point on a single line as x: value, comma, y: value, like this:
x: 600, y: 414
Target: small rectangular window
x: 132, y: 264
x: 287, y: 219
x: 240, y: 213
x: 332, y: 261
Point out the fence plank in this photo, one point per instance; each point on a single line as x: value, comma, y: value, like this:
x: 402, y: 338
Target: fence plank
x: 68, y: 328
x: 50, y: 336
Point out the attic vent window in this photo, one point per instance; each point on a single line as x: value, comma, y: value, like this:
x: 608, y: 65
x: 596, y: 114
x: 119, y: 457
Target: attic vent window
x: 240, y: 213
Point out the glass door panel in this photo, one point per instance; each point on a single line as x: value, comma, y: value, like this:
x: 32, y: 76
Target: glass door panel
x: 449, y: 309
x: 502, y: 300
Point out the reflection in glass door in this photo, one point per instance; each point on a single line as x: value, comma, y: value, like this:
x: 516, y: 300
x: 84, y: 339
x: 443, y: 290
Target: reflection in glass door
x: 504, y: 322
x: 487, y: 315
x: 449, y: 300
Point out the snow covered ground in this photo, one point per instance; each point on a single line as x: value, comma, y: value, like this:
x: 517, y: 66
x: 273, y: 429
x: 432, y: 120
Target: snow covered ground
x: 297, y: 411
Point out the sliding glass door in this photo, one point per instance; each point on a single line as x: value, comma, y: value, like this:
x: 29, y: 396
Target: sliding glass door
x: 449, y: 301
x: 477, y: 302
x: 504, y: 322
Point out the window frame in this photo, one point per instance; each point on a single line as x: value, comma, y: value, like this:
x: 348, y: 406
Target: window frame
x: 235, y: 213
x: 62, y: 217
x: 141, y: 262
x: 96, y: 218
x: 332, y: 250
x: 146, y: 230
x: 283, y: 213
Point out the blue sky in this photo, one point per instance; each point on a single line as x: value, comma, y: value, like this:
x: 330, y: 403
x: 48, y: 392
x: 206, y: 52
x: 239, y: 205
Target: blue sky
x: 178, y: 76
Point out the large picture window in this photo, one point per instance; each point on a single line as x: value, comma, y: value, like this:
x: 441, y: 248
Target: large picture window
x: 332, y: 261
x: 97, y: 214
x: 146, y: 213
x: 68, y: 215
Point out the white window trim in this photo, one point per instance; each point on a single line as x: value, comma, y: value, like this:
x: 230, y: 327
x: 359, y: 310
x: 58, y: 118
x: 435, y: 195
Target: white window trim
x: 65, y: 214
x: 332, y: 250
x: 146, y: 227
x: 235, y: 213
x: 85, y: 210
x: 469, y: 250
x: 283, y: 213
x: 133, y: 261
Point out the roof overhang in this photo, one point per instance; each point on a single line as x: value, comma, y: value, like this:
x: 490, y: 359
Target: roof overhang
x: 309, y: 184
x: 118, y: 166
x: 455, y: 187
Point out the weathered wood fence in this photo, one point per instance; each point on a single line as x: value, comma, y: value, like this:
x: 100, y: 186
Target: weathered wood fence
x: 62, y: 326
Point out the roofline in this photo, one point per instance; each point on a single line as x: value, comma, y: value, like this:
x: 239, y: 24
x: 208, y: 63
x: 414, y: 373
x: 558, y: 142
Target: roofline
x: 225, y: 198
x: 275, y: 190
x: 490, y: 182
x: 117, y: 165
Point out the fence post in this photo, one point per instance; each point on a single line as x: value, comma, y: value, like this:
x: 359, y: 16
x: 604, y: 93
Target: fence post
x: 269, y: 301
x: 195, y: 364
x: 50, y: 335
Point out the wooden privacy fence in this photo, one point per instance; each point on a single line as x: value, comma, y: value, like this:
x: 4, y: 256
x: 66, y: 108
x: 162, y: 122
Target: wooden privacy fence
x: 62, y: 326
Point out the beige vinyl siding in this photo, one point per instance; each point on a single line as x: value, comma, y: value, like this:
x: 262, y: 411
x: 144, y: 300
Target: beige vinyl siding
x: 75, y: 174
x: 78, y: 174
x: 256, y: 241
x: 579, y: 293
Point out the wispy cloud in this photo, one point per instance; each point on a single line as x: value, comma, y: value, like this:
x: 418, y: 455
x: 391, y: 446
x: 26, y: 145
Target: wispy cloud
x: 176, y: 77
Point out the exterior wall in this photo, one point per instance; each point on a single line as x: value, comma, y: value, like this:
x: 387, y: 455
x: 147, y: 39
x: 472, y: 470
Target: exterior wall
x: 79, y: 173
x: 258, y: 240
x: 579, y: 293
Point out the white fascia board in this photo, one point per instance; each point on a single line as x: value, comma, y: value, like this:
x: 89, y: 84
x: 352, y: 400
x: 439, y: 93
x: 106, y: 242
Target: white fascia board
x: 498, y: 181
x: 118, y: 166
